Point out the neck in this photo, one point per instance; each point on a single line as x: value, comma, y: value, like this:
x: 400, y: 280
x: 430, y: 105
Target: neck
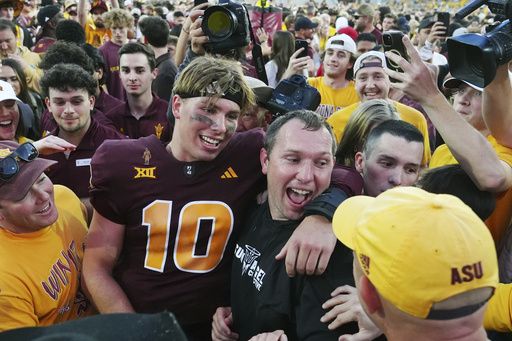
x: 76, y: 136
x: 139, y: 104
x: 340, y: 82
x: 159, y: 51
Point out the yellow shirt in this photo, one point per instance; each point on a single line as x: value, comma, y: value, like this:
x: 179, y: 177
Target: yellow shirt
x: 498, y: 315
x: 339, y: 119
x: 96, y: 37
x: 333, y: 99
x: 500, y: 218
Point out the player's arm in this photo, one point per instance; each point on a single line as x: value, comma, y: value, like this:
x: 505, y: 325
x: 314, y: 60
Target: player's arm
x: 469, y: 147
x: 102, y: 250
x: 496, y: 107
x: 498, y: 315
x: 82, y: 12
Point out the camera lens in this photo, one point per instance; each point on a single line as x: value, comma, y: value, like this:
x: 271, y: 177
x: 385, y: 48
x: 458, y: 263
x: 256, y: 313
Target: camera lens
x: 219, y: 24
x: 387, y: 40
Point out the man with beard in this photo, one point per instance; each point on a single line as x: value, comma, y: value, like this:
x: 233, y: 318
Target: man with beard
x: 336, y: 87
x: 363, y: 21
x: 96, y: 33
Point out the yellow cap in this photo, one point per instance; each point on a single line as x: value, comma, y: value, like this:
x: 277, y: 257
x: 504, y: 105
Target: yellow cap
x: 419, y: 248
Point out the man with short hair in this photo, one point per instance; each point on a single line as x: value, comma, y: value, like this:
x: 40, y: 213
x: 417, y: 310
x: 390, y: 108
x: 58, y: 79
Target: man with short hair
x: 144, y: 113
x: 391, y: 157
x: 10, y: 10
x: 69, y: 95
x: 335, y: 86
x: 27, y: 59
x: 363, y: 23
x: 304, y: 29
x: 372, y: 82
x: 298, y: 159
x: 119, y: 22
x: 429, y: 32
x: 435, y: 237
x: 42, y: 234
x: 48, y: 17
x: 70, y: 10
x: 365, y: 42
x: 96, y: 32
x: 389, y: 20
x: 156, y: 33
x: 258, y: 115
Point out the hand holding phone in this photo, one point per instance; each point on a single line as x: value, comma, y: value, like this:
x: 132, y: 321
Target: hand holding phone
x: 392, y: 42
x: 444, y: 18
x: 302, y: 43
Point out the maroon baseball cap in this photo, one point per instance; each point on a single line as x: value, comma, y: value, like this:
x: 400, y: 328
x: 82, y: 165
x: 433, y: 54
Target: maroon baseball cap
x: 99, y: 4
x: 18, y: 186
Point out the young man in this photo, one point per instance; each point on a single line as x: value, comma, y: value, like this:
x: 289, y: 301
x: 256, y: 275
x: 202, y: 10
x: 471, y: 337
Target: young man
x: 171, y: 248
x: 372, y: 82
x: 391, y: 157
x: 363, y: 21
x: 144, y: 113
x: 365, y: 42
x: 95, y: 31
x: 156, y: 33
x: 10, y: 10
x: 43, y: 229
x: 27, y: 59
x: 436, y: 291
x: 69, y: 95
x: 305, y: 29
x: 48, y: 17
x: 335, y: 86
x: 298, y: 159
x: 429, y: 32
x: 119, y: 22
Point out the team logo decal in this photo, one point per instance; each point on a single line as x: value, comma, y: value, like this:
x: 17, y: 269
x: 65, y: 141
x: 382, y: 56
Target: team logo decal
x: 146, y: 156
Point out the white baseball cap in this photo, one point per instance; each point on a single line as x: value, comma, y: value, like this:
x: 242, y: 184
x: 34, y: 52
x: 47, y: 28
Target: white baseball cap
x: 360, y: 64
x: 341, y: 42
x: 7, y: 92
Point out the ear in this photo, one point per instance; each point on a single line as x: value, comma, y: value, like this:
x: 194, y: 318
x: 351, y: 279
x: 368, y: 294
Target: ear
x: 369, y: 295
x: 264, y: 160
x: 155, y: 72
x: 47, y: 101
x: 92, y: 100
x: 100, y: 73
x: 359, y: 162
x: 266, y: 120
x: 177, y: 102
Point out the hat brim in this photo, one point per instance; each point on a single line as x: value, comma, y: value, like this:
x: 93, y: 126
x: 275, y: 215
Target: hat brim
x: 263, y: 94
x: 29, y: 172
x: 347, y: 215
x: 454, y: 83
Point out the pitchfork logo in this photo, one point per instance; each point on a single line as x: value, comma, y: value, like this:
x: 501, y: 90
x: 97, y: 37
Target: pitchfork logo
x: 250, y: 256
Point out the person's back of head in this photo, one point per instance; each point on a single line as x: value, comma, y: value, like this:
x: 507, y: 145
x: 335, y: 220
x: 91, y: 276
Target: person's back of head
x: 155, y: 30
x: 423, y: 260
x: 97, y: 60
x: 65, y: 52
x: 283, y: 46
x: 365, y: 117
x: 453, y: 179
x: 70, y: 31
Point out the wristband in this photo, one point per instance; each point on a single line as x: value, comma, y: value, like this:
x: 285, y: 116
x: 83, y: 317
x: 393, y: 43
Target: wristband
x: 326, y: 203
x: 429, y: 44
x: 184, y: 30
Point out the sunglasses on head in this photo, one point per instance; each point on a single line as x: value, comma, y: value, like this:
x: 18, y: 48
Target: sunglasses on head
x: 9, y: 165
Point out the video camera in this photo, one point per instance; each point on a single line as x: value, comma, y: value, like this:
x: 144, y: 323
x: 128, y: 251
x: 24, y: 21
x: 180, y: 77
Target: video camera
x: 476, y: 57
x: 226, y: 25
x: 293, y: 93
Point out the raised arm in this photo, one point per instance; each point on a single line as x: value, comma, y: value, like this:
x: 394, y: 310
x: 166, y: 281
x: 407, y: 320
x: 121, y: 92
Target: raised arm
x: 102, y: 250
x: 82, y: 12
x: 469, y: 147
x: 182, y: 45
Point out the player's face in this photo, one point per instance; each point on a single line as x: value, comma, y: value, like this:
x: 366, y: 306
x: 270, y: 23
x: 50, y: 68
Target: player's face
x: 7, y: 43
x: 136, y: 74
x: 468, y: 103
x: 35, y: 211
x: 204, y: 127
x: 364, y: 46
x: 252, y: 118
x: 8, y: 75
x: 336, y: 62
x: 9, y: 119
x: 96, y: 17
x: 71, y: 109
x: 119, y: 35
x: 372, y: 83
x: 7, y: 13
x: 392, y: 162
x: 298, y: 169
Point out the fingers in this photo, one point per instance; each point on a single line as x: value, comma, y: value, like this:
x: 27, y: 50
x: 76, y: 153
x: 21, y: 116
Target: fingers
x: 344, y: 289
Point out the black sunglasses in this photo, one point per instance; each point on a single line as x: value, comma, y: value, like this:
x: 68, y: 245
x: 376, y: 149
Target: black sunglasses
x: 357, y: 16
x: 9, y: 166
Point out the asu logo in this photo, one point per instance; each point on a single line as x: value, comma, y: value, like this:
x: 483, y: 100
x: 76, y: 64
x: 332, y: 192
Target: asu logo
x: 4, y: 152
x: 158, y: 130
x: 467, y: 273
x: 145, y: 172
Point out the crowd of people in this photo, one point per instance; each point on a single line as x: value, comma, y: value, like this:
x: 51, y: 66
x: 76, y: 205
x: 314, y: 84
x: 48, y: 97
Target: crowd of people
x: 143, y: 170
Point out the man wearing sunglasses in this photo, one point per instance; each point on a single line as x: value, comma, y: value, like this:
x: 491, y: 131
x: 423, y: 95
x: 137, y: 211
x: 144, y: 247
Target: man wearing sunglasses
x: 363, y: 21
x: 42, y: 232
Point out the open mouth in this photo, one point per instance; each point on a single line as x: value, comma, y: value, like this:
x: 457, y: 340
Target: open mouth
x: 6, y: 124
x: 210, y: 141
x: 44, y: 210
x: 298, y: 196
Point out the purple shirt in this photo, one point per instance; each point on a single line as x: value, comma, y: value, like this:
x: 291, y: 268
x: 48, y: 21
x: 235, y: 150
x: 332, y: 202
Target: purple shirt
x: 105, y: 102
x: 110, y: 52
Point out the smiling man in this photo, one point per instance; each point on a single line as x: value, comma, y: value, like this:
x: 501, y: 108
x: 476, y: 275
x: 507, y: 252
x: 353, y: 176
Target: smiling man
x: 69, y: 94
x: 144, y: 113
x: 298, y: 159
x: 371, y: 82
x: 42, y: 232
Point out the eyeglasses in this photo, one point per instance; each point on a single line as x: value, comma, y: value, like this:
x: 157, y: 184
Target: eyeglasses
x: 9, y: 166
x: 357, y: 16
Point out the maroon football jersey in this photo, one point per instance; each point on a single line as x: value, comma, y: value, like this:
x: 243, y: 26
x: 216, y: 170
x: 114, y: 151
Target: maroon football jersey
x: 181, y: 219
x: 154, y: 121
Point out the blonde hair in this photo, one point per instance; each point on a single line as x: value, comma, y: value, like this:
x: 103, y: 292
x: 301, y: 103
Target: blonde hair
x: 118, y: 18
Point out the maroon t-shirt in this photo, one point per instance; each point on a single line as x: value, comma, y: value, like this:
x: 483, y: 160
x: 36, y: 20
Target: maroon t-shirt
x: 105, y: 102
x: 154, y: 121
x: 110, y: 52
x: 74, y: 172
x: 181, y: 220
x: 42, y: 45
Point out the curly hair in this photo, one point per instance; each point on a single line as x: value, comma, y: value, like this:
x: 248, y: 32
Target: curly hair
x: 65, y: 52
x: 64, y: 77
x: 118, y: 18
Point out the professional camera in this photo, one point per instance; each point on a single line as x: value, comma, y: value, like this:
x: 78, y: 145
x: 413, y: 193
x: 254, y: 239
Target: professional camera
x: 476, y: 57
x: 226, y: 25
x: 293, y: 93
